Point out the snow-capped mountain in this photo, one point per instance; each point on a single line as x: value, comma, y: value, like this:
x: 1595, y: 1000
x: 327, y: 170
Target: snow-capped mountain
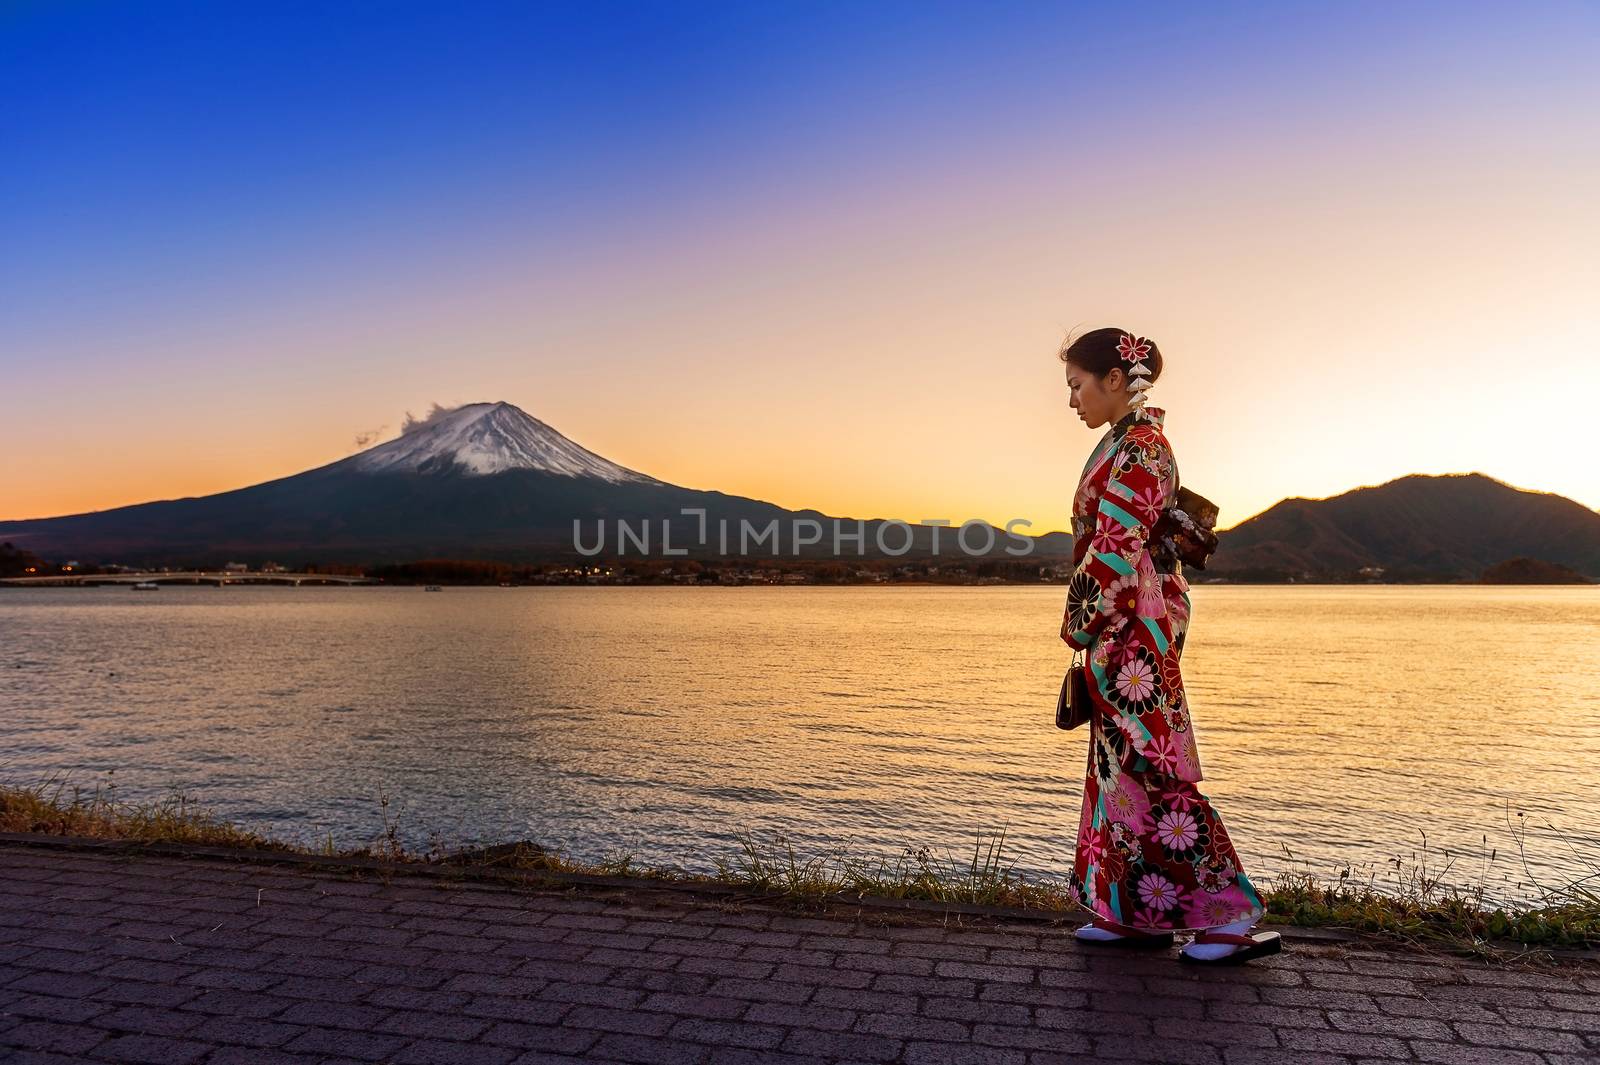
x: 480, y: 439
x: 483, y: 480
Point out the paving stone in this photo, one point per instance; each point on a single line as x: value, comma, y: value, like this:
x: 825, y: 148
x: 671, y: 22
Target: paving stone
x: 61, y: 985
x: 633, y: 1022
x: 712, y: 1007
x: 762, y: 991
x: 51, y: 1008
x: 1556, y: 1020
x: 742, y: 968
x: 880, y: 1001
x: 961, y: 1009
x: 1165, y: 1006
x: 364, y: 1046
x: 1388, y: 1024
x: 67, y: 961
x: 445, y: 1052
x: 140, y: 992
x: 1335, y: 1042
x: 907, y: 1026
x: 333, y: 1015
x: 1463, y: 1054
x: 239, y: 1004
x: 148, y: 1020
x: 1580, y: 1002
x: 1278, y: 1017
x: 540, y: 1037
x: 1217, y: 1033
x: 1085, y: 1020
x: 1147, y: 1048
x: 242, y: 1031
x: 591, y: 994
x: 825, y: 1018
x: 634, y: 1048
x: 823, y: 976
x: 1034, y: 996
x: 776, y: 955
x: 728, y: 1033
x: 1011, y: 974
x: 919, y: 1053
x: 152, y: 1049
x: 1268, y: 1056
x: 430, y: 1025
x: 1026, y: 1037
x: 859, y: 1046
x: 943, y: 952
x: 746, y: 1056
x: 1501, y: 1035
x: 52, y: 1036
x: 231, y: 1055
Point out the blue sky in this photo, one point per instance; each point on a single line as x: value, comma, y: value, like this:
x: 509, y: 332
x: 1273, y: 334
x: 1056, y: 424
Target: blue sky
x: 687, y: 234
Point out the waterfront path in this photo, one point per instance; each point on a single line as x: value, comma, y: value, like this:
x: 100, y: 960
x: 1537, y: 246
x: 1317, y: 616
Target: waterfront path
x: 111, y: 955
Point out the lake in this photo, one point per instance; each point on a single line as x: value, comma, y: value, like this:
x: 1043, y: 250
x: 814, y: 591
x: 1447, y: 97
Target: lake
x: 1337, y: 726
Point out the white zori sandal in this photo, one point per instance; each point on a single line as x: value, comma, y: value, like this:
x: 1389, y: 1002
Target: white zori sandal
x: 1253, y: 945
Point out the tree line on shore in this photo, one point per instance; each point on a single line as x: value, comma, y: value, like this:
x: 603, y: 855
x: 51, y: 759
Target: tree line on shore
x: 18, y: 562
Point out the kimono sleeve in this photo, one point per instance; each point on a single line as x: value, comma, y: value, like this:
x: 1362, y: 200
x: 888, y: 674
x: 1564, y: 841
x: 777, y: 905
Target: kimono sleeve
x: 1105, y: 587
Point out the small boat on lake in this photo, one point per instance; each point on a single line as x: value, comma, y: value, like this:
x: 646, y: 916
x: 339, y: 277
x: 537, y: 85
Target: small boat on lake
x: 145, y: 586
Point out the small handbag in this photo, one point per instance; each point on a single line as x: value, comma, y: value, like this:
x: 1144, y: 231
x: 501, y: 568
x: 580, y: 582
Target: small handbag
x: 1072, y: 706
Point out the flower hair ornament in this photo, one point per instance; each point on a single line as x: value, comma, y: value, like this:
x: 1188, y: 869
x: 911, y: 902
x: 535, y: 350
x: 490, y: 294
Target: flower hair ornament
x: 1133, y: 350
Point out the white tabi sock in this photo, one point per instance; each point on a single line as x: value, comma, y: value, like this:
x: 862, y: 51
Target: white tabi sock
x: 1213, y: 951
x: 1095, y: 932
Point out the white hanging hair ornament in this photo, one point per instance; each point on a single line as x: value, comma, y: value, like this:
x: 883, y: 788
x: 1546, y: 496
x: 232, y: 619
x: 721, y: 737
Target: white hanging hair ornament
x: 1133, y: 350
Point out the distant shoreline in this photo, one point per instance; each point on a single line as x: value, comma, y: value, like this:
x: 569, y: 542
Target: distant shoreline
x: 247, y: 582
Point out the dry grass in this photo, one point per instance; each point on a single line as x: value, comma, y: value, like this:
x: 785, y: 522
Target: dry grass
x: 1415, y: 906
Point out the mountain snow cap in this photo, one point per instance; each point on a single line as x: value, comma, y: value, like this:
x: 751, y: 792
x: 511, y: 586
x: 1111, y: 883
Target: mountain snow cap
x: 478, y: 439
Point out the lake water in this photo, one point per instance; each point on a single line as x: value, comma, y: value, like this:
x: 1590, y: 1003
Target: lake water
x: 1341, y: 723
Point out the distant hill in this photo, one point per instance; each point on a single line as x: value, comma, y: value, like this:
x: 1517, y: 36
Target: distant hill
x: 1531, y: 571
x: 1418, y: 528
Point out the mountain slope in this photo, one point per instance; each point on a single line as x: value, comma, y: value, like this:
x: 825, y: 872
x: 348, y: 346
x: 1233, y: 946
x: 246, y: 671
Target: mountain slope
x: 1450, y: 527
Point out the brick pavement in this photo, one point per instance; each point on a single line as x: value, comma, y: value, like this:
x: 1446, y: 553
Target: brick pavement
x: 126, y: 957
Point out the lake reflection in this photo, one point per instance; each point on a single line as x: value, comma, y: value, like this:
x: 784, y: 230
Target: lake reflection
x: 1339, y: 722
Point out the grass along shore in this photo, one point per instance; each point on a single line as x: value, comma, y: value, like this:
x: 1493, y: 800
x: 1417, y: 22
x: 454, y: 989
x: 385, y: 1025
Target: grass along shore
x: 1420, y: 909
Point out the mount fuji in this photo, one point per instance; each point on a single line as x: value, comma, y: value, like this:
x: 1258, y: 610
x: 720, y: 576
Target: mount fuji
x: 479, y: 439
x: 482, y: 480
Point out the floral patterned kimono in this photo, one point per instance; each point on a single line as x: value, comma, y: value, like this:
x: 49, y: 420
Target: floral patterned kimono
x: 1151, y: 851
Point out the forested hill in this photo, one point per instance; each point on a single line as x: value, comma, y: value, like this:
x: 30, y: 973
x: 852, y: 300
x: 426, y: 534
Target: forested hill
x: 1415, y: 528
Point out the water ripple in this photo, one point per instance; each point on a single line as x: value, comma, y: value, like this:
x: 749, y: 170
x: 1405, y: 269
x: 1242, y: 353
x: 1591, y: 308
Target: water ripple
x: 1339, y: 723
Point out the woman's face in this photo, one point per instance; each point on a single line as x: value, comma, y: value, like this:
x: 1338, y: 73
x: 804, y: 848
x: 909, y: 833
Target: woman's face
x: 1097, y: 400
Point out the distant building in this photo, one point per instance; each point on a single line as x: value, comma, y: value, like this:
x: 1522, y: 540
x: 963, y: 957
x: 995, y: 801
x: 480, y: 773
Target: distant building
x: 273, y: 567
x: 236, y: 567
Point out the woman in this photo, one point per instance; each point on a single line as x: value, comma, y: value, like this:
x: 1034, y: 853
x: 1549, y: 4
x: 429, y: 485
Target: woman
x: 1152, y: 855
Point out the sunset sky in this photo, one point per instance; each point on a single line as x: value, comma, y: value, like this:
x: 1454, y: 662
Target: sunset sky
x: 820, y: 254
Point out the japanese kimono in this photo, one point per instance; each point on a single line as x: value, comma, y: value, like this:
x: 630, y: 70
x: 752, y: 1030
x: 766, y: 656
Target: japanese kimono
x: 1151, y: 852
